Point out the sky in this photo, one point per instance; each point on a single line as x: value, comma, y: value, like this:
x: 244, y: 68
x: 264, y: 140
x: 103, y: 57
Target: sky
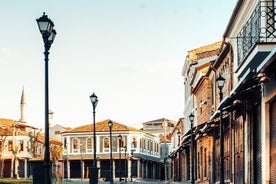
x: 129, y: 52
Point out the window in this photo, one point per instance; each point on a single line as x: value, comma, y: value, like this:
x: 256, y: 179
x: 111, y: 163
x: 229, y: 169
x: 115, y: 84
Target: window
x: 10, y: 145
x: 106, y: 144
x: 121, y: 143
x: 89, y: 144
x: 134, y: 142
x: 75, y: 145
x: 65, y: 142
x: 57, y: 132
x: 21, y: 145
x: 39, y: 150
x: 144, y: 144
x: 157, y: 148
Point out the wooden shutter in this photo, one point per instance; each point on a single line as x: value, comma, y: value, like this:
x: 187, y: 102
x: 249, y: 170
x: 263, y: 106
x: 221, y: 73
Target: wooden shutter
x: 256, y: 160
x: 239, y: 150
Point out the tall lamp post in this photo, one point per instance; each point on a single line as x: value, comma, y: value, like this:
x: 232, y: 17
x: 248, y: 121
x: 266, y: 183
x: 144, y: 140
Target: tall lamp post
x: 81, y: 162
x: 220, y: 83
x: 126, y: 173
x: 191, y: 118
x: 165, y: 149
x: 131, y: 159
x: 93, y: 178
x: 120, y: 160
x: 45, y: 26
x: 110, y: 123
x: 178, y: 135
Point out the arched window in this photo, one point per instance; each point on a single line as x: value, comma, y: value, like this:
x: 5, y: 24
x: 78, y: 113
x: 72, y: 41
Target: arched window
x: 134, y: 142
x: 89, y: 145
x: 75, y: 145
x: 121, y: 143
x: 144, y: 144
x: 148, y: 145
x: 106, y: 144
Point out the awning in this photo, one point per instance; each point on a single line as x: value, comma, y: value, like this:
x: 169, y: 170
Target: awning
x: 247, y: 84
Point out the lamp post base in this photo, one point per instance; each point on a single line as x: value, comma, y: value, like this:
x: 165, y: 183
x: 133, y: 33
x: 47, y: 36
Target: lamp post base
x: 93, y: 175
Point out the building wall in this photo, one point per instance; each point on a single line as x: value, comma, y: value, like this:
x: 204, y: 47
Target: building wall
x: 203, y: 101
x: 145, y: 147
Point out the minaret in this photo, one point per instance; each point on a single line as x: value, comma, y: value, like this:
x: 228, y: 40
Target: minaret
x: 22, y: 106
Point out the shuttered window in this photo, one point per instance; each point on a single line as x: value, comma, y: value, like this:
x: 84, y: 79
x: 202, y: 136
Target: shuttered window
x: 217, y: 159
x: 256, y: 160
x: 227, y: 161
x: 239, y: 150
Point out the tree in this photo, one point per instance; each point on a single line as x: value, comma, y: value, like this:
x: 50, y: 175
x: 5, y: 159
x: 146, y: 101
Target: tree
x: 56, y: 153
x: 33, y: 142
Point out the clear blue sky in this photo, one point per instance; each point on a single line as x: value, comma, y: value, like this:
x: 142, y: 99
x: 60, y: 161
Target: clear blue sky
x: 129, y: 52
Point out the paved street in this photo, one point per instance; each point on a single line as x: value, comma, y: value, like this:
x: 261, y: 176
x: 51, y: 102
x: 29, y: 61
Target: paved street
x: 116, y: 182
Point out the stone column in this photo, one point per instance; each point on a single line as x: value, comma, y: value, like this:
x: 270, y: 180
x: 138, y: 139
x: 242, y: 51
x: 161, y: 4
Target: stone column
x: 68, y: 169
x: 99, y: 166
x: 154, y: 170
x: 25, y: 168
x: 129, y: 169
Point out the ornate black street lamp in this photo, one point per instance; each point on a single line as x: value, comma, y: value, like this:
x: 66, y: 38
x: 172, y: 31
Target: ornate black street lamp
x: 126, y: 173
x: 45, y: 26
x: 191, y: 118
x: 178, y: 135
x: 120, y: 160
x: 220, y: 83
x: 110, y: 123
x: 131, y: 159
x: 93, y: 179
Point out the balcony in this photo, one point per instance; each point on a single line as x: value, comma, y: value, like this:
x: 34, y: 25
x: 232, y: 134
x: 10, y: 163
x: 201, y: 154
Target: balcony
x: 257, y: 37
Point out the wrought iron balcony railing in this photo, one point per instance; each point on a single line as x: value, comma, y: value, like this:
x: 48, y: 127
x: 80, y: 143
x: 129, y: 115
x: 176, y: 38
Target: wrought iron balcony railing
x: 260, y: 28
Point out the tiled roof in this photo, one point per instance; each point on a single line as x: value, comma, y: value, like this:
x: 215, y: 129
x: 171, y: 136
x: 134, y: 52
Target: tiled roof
x: 204, y: 51
x: 58, y: 125
x: 51, y: 139
x: 8, y: 122
x: 102, y: 126
x: 160, y: 121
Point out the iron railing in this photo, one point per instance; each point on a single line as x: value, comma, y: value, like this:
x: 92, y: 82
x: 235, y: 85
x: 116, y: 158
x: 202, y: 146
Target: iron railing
x: 259, y: 28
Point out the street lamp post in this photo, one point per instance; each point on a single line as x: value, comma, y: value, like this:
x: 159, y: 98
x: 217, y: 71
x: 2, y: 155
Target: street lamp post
x: 110, y: 123
x: 126, y: 173
x: 120, y: 160
x: 81, y: 162
x: 178, y: 135
x: 93, y: 178
x: 165, y: 149
x: 45, y: 26
x: 220, y: 82
x: 191, y: 118
x: 131, y: 175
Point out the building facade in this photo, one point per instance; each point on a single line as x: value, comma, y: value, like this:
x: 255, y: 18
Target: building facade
x: 234, y: 124
x: 135, y: 156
